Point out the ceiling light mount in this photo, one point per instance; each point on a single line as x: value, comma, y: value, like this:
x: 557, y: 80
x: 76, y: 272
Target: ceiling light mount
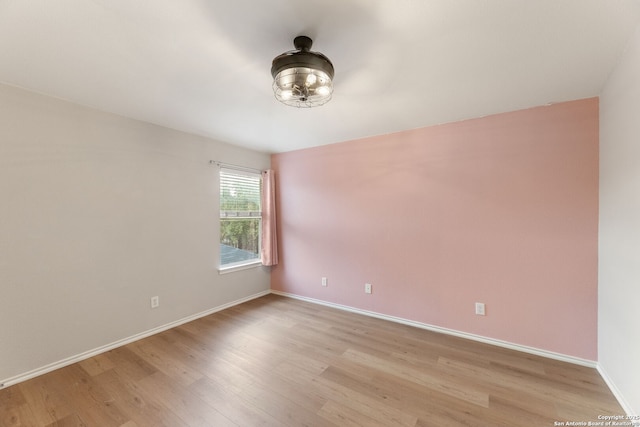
x: 303, y: 43
x: 302, y: 78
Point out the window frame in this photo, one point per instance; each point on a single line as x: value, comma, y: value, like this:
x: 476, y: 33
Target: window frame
x: 255, y: 215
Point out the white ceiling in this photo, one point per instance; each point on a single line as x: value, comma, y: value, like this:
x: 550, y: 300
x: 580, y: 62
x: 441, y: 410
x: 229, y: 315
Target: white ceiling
x: 203, y: 66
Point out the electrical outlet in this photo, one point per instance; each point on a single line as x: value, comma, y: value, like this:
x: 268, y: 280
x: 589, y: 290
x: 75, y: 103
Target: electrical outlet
x: 324, y: 281
x: 480, y: 309
x: 155, y: 302
x: 367, y: 288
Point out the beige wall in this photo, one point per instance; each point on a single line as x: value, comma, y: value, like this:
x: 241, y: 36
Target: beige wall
x: 619, y: 251
x: 97, y: 214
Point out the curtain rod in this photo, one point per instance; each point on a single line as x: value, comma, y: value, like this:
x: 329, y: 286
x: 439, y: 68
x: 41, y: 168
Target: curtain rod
x: 236, y: 167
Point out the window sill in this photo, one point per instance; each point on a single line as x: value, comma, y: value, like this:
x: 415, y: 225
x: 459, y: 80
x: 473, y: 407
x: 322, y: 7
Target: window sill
x: 233, y: 268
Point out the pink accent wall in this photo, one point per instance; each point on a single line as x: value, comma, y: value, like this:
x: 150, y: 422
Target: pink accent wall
x: 501, y: 210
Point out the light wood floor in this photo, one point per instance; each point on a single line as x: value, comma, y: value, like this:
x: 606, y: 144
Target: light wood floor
x: 276, y: 361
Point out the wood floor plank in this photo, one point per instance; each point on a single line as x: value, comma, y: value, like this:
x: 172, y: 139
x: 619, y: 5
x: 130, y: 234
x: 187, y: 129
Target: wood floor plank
x: 140, y: 407
x: 433, y: 380
x: 405, y: 396
x: 276, y: 361
x: 72, y: 420
x: 340, y: 391
x: 97, y: 365
x: 163, y: 358
x: 192, y: 410
x: 129, y: 365
x: 46, y: 399
x: 14, y: 410
x: 93, y: 404
x: 265, y: 393
x: 231, y: 405
x: 343, y: 415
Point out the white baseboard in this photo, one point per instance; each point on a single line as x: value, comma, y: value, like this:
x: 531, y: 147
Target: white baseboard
x: 87, y: 354
x: 474, y: 337
x: 616, y: 391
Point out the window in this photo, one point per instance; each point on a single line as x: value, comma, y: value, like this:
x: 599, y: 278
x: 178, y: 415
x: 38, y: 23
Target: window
x: 240, y: 218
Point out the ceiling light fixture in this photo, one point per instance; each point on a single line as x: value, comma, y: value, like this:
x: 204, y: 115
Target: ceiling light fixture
x: 302, y: 78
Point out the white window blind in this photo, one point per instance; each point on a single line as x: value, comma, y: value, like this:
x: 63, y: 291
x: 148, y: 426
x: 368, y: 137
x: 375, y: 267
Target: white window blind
x: 240, y: 217
x: 239, y: 194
